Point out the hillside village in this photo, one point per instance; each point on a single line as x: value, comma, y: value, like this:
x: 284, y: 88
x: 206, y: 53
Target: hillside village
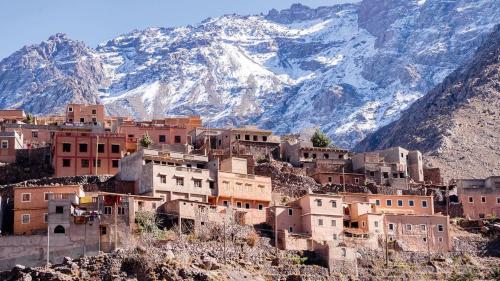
x: 84, y: 183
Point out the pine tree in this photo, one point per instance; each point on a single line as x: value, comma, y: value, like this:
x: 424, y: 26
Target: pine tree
x: 319, y: 139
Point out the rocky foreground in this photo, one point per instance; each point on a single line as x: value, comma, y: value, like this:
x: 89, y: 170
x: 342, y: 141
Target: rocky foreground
x: 246, y: 256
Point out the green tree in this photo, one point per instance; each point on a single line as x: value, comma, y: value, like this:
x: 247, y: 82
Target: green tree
x: 30, y: 119
x: 146, y: 141
x: 319, y: 139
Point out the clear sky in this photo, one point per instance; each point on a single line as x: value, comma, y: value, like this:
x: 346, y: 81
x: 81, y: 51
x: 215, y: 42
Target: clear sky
x: 24, y: 22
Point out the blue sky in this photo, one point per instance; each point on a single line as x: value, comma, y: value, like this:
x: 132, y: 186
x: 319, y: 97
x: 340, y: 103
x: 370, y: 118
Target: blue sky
x: 26, y: 22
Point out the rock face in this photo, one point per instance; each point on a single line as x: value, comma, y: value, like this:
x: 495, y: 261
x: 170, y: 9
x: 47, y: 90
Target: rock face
x: 457, y: 124
x: 348, y: 68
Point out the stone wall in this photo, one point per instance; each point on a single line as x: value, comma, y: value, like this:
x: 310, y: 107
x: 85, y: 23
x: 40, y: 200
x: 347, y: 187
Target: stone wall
x: 30, y: 164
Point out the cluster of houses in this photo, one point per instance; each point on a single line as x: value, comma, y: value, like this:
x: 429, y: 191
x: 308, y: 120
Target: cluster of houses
x: 193, y: 175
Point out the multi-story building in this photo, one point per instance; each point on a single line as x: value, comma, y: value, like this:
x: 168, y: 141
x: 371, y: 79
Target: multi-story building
x: 9, y: 143
x: 160, y: 134
x: 332, y: 171
x: 85, y: 153
x: 480, y: 198
x: 12, y: 116
x: 34, y: 135
x: 31, y: 206
x: 85, y: 113
x: 300, y: 153
x: 393, y: 166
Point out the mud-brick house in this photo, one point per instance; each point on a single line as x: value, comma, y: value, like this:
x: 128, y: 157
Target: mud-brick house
x: 480, y: 198
x: 9, y: 143
x: 301, y: 153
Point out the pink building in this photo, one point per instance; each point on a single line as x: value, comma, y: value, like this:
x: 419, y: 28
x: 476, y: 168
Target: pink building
x: 9, y: 142
x: 85, y: 113
x: 480, y: 198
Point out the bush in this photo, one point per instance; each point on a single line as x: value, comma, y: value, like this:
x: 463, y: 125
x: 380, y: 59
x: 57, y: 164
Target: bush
x: 495, y: 273
x: 147, y: 223
x: 466, y: 275
x: 319, y: 139
x: 146, y: 141
x: 296, y: 259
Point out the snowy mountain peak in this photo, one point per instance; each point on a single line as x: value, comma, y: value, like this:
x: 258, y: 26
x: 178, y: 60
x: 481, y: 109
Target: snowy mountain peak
x: 347, y: 68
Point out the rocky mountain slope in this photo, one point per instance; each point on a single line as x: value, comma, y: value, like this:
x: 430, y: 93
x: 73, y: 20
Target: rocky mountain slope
x: 348, y: 68
x: 456, y: 125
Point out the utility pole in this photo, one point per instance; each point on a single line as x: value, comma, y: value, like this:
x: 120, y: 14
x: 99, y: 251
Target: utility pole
x: 48, y: 244
x: 224, y: 238
x: 96, y: 154
x: 343, y: 179
x: 116, y: 226
x: 275, y: 228
x: 85, y: 239
x: 447, y: 197
x: 428, y: 242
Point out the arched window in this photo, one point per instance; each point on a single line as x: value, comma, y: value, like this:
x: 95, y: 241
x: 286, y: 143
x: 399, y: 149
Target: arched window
x: 59, y: 229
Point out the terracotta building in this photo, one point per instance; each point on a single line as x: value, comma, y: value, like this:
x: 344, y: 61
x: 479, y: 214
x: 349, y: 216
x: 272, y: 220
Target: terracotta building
x: 480, y: 198
x: 158, y: 133
x: 9, y: 143
x: 34, y: 135
x: 31, y: 206
x: 9, y: 116
x: 334, y: 171
x: 300, y: 153
x: 75, y: 153
x: 85, y: 113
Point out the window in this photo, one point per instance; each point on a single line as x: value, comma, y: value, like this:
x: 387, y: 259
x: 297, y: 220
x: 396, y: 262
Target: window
x: 261, y: 207
x: 59, y: 209
x: 314, y: 155
x: 121, y: 211
x: 395, y: 175
x: 98, y: 163
x: 197, y: 182
x: 177, y: 139
x: 483, y: 199
x: 26, y: 197
x: 247, y: 137
x: 225, y: 203
x: 334, y: 223
x: 5, y: 144
x: 264, y: 138
x: 45, y: 217
x: 25, y: 218
x: 329, y: 179
x: 386, y: 175
x: 334, y: 204
x: 162, y: 138
x: 82, y: 120
x: 471, y: 200
x: 498, y: 200
x: 411, y: 203
x: 440, y: 228
x: 344, y: 252
x: 389, y: 202
x: 94, y: 112
x: 108, y: 210
x: 255, y: 138
x: 34, y: 134
x: 66, y: 147
x: 319, y: 203
x: 46, y: 196
x: 375, y: 223
x: 306, y: 155
x: 408, y: 227
x: 163, y: 179
x: 59, y: 229
x: 238, y: 204
x: 481, y: 215
x: 247, y: 205
x: 424, y: 203
x: 100, y: 148
x: 320, y: 221
x: 372, y: 173
x: 363, y: 224
x: 423, y: 227
x: 66, y: 162
x: 238, y: 136
x: 391, y: 226
x: 424, y: 239
x: 103, y: 230
x: 400, y: 203
x: 84, y: 163
x: 377, y: 202
x: 356, y: 180
x: 70, y: 109
x: 179, y: 181
x: 290, y: 212
x: 440, y: 239
x: 290, y: 229
x: 334, y: 236
x: 115, y: 163
x: 326, y: 155
x: 115, y: 148
x: 211, y: 184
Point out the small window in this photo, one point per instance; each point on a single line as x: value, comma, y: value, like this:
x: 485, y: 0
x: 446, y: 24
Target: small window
x: 34, y: 134
x: 26, y: 197
x: 481, y: 215
x: 179, y: 181
x: 255, y: 138
x: 59, y: 209
x: 334, y: 204
x: 391, y: 226
x: 290, y: 229
x: 238, y: 204
x: 326, y: 155
x: 440, y: 239
x: 377, y: 202
x: 225, y: 203
x: 314, y: 155
x: 440, y: 228
x: 424, y: 203
x: 423, y: 227
x: 162, y: 138
x: 197, y: 182
x: 395, y: 175
x: 25, y: 218
x: 356, y: 180
x: 375, y: 223
x: 424, y: 239
x: 66, y: 147
x: 344, y: 252
x: 94, y: 112
x: 471, y: 199
x: 319, y: 203
x: 108, y: 210
x: 46, y: 196
x: 261, y: 207
x: 115, y: 163
x: 46, y: 218
x: 408, y: 227
x: 98, y: 163
x: 5, y: 144
x: 400, y: 203
x: 66, y: 162
x: 115, y: 148
x: 411, y: 203
x: 320, y: 221
x: 121, y: 211
x: 211, y: 184
x: 82, y: 120
x: 85, y: 163
x: 247, y: 137
x: 59, y: 229
x: 100, y: 148
x: 389, y: 202
x: 290, y: 212
x: 163, y: 179
x: 386, y: 175
x: 70, y: 109
x: 483, y: 199
x: 334, y: 236
x: 329, y: 179
x: 177, y: 139
x: 306, y: 155
x: 334, y: 223
x: 82, y: 147
x: 247, y: 205
x: 103, y: 230
x: 372, y: 173
x: 264, y: 138
x: 498, y: 200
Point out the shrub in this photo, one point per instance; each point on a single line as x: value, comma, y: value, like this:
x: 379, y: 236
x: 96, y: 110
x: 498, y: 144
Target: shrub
x: 495, y: 273
x: 466, y: 275
x: 319, y: 139
x: 146, y: 141
x: 252, y: 239
x: 296, y: 259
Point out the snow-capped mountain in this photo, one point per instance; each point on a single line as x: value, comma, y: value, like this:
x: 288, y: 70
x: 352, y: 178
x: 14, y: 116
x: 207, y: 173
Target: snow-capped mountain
x: 348, y: 68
